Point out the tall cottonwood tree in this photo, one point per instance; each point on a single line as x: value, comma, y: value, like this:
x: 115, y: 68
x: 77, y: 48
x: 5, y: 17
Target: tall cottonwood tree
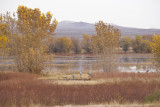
x: 105, y: 44
x: 34, y: 31
x: 155, y: 46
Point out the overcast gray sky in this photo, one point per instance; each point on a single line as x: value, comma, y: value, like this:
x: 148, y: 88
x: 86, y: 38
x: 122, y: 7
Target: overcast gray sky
x: 129, y: 13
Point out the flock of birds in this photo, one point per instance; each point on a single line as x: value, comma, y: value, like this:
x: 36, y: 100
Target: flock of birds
x: 145, y: 71
x: 89, y: 73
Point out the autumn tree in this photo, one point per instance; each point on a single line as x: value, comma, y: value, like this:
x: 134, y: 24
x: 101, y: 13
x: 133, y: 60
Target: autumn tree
x: 3, y: 33
x: 155, y: 46
x: 136, y: 44
x: 125, y: 43
x: 147, y: 37
x: 3, y: 41
x: 64, y: 44
x: 140, y: 46
x: 31, y: 35
x: 95, y: 46
x: 105, y: 44
x: 61, y: 45
x: 67, y: 44
x: 86, y: 43
x: 146, y: 47
x: 76, y: 48
x: 7, y: 24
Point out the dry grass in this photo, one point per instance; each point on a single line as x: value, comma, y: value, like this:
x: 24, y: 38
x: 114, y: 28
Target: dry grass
x: 65, y: 78
x: 23, y: 89
x: 116, y: 105
x: 124, y: 75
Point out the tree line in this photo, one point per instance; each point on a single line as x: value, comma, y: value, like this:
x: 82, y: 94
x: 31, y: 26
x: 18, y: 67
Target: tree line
x: 65, y: 45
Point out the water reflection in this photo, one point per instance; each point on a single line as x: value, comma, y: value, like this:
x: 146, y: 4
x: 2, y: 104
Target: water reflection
x: 126, y: 64
x: 90, y: 63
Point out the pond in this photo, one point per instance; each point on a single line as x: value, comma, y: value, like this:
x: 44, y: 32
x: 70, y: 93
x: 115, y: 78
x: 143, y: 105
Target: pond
x: 126, y: 63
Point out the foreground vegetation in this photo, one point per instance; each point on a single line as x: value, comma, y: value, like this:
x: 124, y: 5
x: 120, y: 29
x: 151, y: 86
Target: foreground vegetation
x: 24, y: 89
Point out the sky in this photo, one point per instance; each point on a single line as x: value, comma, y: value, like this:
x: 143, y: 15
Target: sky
x: 128, y: 13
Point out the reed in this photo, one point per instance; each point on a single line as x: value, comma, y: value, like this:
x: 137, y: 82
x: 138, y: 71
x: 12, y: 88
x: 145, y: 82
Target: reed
x: 24, y: 89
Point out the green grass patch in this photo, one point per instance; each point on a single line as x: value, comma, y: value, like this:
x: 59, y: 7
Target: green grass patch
x: 153, y: 97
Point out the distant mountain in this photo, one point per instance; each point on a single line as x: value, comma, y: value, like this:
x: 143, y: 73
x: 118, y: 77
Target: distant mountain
x: 77, y: 29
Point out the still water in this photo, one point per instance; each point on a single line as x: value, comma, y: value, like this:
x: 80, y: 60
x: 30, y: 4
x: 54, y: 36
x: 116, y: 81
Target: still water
x: 126, y: 63
x: 141, y: 63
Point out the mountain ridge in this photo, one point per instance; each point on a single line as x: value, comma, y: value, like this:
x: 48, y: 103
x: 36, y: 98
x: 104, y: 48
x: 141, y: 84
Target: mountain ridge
x: 77, y: 29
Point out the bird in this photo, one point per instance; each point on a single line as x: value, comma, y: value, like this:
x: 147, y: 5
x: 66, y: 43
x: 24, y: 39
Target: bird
x: 89, y: 73
x: 73, y: 76
x: 147, y: 71
x: 80, y: 73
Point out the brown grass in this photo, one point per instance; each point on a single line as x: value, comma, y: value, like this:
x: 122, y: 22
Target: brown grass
x: 23, y: 89
x: 124, y: 75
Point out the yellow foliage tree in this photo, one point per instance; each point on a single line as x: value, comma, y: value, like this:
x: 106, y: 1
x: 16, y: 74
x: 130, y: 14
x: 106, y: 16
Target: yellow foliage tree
x: 63, y: 44
x: 3, y: 41
x: 155, y: 46
x: 67, y: 43
x: 29, y: 43
x: 105, y: 44
x: 4, y: 33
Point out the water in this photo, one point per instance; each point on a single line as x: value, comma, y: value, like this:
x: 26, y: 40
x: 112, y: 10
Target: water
x: 127, y: 63
x: 130, y: 63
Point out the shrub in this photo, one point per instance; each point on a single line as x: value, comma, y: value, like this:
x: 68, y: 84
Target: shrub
x: 153, y: 97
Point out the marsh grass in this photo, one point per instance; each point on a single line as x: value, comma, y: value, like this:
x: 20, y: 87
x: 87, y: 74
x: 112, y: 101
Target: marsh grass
x: 123, y: 75
x: 153, y: 97
x: 24, y: 89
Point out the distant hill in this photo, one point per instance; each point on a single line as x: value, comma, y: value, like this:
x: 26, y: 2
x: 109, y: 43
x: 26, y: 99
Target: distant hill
x: 77, y: 29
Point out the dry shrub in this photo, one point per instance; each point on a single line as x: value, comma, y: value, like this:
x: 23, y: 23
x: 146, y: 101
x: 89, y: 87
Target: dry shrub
x: 124, y: 92
x: 22, y: 89
x: 16, y: 76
